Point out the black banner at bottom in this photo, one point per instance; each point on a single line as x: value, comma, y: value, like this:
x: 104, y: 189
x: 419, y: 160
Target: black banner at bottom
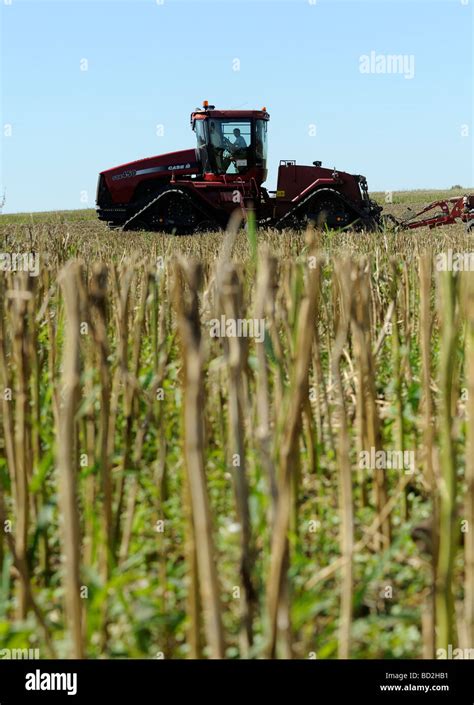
x: 23, y: 681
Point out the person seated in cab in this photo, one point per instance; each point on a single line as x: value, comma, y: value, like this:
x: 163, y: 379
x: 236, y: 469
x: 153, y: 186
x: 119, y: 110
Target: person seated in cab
x: 237, y: 150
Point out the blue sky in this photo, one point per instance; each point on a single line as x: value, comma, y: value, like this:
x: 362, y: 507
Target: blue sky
x: 150, y: 64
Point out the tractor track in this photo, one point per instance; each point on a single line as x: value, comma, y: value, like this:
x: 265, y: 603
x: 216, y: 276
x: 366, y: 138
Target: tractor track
x: 368, y: 220
x: 184, y: 194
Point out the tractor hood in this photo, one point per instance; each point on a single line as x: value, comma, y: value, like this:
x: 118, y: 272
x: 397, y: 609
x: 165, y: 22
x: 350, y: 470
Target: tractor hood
x: 184, y: 161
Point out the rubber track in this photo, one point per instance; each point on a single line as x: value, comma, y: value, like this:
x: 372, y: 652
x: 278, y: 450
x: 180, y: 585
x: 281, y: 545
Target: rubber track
x: 331, y: 191
x: 151, y: 203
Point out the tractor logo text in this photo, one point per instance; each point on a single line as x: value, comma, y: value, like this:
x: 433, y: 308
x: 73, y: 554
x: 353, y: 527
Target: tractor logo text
x: 176, y: 167
x: 124, y: 175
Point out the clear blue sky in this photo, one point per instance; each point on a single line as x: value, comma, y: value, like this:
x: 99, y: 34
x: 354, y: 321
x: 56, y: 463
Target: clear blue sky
x: 150, y: 64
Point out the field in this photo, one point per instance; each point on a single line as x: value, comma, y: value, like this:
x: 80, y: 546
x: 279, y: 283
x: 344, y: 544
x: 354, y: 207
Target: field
x: 301, y: 489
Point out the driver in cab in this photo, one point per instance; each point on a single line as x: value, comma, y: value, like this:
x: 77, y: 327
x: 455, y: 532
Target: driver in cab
x: 239, y: 143
x: 236, y: 148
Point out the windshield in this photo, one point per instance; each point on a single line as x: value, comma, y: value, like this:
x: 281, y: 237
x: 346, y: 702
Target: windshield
x: 229, y: 146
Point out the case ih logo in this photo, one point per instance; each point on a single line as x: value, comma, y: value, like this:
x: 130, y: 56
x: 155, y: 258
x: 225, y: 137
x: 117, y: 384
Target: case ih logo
x: 175, y: 167
x: 124, y: 175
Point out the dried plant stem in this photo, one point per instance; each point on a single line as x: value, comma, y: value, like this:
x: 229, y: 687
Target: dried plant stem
x: 130, y: 391
x: 428, y: 431
x: 469, y: 501
x: 445, y: 617
x: 122, y: 299
x: 189, y: 325
x: 344, y: 467
x: 66, y: 457
x: 193, y: 602
x: 231, y: 303
x: 289, y: 448
x: 20, y: 296
x: 367, y: 406
x: 98, y: 300
x: 399, y: 437
x: 7, y: 399
x: 266, y: 267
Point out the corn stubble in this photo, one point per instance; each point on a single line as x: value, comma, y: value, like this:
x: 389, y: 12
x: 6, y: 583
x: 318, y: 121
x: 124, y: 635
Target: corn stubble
x: 164, y: 491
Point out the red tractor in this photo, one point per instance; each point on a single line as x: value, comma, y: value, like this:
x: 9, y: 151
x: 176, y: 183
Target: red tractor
x: 197, y: 189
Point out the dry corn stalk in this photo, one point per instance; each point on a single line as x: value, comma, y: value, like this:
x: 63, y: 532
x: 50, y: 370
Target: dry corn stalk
x: 276, y: 582
x: 445, y: 618
x: 189, y: 326
x: 344, y: 465
x: 231, y: 301
x: 367, y: 407
x: 469, y: 501
x: 67, y: 456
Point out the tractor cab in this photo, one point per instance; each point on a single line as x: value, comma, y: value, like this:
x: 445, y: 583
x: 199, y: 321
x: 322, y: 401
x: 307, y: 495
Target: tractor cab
x: 231, y: 144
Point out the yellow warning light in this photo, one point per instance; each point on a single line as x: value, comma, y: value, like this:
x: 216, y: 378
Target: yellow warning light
x: 205, y: 103
x: 264, y: 110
